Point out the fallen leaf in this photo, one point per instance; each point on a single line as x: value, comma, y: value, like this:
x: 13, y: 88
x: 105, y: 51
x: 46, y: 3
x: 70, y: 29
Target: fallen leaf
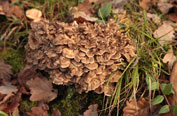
x: 164, y: 7
x: 56, y: 112
x: 87, y: 7
x: 169, y: 58
x: 16, y: 11
x: 79, y: 15
x: 5, y: 71
x: 40, y: 110
x: 26, y: 74
x: 134, y: 108
x: 165, y: 32
x: 12, y: 11
x: 173, y: 80
x: 154, y: 17
x: 145, y: 4
x: 34, y: 14
x: 10, y: 102
x: 92, y: 110
x: 41, y: 89
x: 172, y: 17
x: 8, y: 88
x: 173, y: 14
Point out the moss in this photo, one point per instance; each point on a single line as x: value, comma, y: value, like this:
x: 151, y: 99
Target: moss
x: 12, y: 57
x: 26, y: 105
x: 71, y: 103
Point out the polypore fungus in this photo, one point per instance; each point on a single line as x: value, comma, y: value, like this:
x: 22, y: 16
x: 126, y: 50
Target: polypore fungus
x: 86, y: 54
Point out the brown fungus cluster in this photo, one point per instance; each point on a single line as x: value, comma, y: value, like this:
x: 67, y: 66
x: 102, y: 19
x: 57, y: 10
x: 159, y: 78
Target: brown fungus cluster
x: 86, y: 54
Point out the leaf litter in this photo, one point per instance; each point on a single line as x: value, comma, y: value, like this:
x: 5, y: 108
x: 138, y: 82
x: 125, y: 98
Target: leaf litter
x: 29, y: 81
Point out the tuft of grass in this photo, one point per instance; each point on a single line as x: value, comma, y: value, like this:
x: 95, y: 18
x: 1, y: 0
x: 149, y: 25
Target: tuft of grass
x: 149, y: 60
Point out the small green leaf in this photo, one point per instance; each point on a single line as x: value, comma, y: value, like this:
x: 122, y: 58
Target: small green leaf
x: 174, y: 107
x: 164, y: 109
x: 157, y: 100
x: 154, y: 84
x: 105, y: 11
x: 167, y: 89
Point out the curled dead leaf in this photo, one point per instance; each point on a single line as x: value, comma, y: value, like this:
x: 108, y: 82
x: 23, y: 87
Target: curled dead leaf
x: 79, y: 15
x: 136, y: 108
x: 34, y: 14
x: 169, y: 58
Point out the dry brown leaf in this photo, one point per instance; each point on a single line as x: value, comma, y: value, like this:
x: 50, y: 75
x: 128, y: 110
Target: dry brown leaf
x: 169, y: 58
x: 154, y: 17
x: 10, y: 102
x: 34, y: 14
x: 173, y: 80
x: 79, y: 15
x: 8, y: 88
x: 16, y: 11
x: 92, y: 110
x: 87, y: 7
x: 12, y: 11
x: 5, y: 71
x: 146, y: 4
x: 173, y: 17
x: 41, y: 89
x: 164, y: 7
x: 134, y: 108
x: 26, y: 74
x: 165, y: 32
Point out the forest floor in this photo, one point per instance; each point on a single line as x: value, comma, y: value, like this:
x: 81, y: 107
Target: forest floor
x: 147, y: 84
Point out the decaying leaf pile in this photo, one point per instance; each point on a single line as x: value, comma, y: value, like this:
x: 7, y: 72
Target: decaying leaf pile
x: 83, y: 54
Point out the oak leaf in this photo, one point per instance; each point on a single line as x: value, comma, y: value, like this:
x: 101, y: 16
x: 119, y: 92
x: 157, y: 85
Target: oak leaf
x: 41, y: 89
x: 136, y: 108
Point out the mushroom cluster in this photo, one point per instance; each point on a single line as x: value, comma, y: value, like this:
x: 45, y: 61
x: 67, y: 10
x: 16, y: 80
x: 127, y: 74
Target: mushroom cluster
x: 86, y: 54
